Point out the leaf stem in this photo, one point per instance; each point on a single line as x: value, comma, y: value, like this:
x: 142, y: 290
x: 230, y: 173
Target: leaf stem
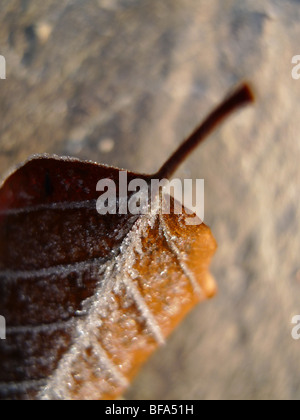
x: 242, y: 96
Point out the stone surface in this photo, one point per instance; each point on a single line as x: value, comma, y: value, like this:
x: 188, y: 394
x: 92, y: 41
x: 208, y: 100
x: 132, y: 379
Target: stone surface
x: 123, y: 82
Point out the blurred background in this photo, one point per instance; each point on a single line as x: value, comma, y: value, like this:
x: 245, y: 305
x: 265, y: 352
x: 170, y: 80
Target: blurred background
x: 122, y: 82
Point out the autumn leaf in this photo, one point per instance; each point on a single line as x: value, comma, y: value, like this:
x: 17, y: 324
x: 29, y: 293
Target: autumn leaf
x: 88, y: 297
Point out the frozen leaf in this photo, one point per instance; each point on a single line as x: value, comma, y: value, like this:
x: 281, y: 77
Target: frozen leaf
x: 88, y: 297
